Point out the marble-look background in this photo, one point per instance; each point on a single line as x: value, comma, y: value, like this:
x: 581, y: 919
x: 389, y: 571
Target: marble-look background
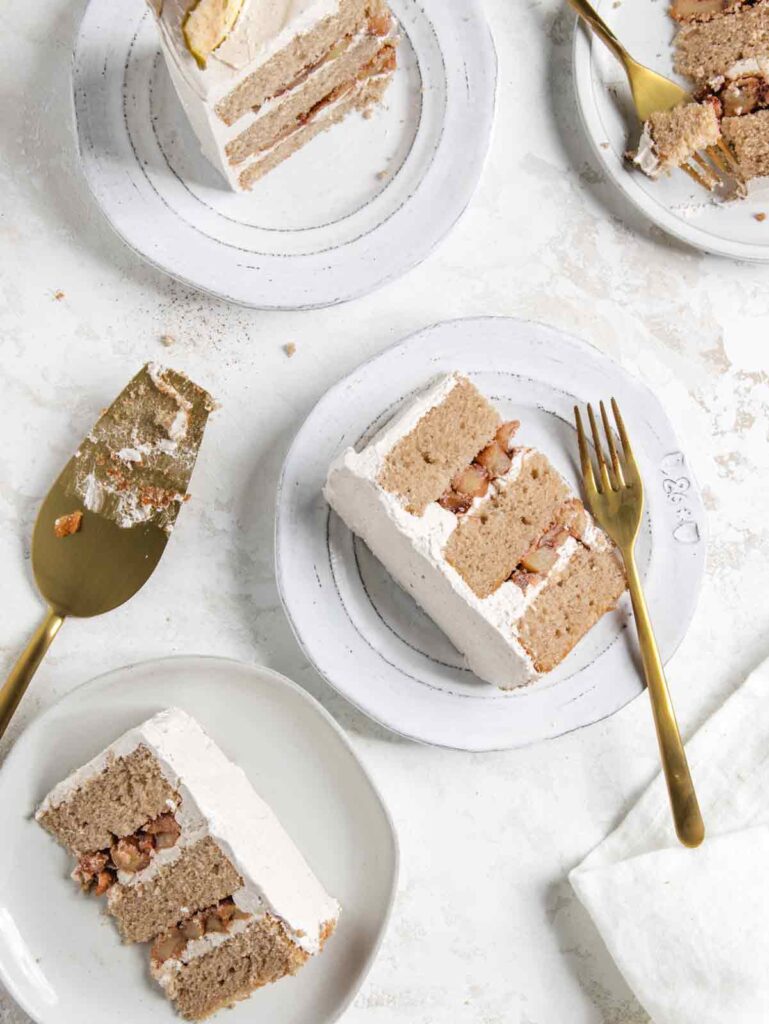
x: 485, y: 929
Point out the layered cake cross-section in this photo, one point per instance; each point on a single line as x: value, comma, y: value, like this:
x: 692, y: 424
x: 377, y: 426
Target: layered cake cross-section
x: 485, y: 535
x: 260, y: 78
x: 191, y: 859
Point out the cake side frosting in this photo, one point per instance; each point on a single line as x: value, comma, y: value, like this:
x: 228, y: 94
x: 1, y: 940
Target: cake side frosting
x: 217, y: 800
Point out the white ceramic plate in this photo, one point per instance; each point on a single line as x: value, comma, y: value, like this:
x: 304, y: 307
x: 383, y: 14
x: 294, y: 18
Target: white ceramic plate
x: 674, y: 203
x: 358, y: 206
x: 61, y: 957
x: 366, y: 635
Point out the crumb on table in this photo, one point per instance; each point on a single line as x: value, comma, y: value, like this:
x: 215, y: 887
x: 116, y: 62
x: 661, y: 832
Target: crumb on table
x: 167, y: 339
x: 65, y: 526
x: 289, y: 349
x: 760, y: 216
x: 58, y: 296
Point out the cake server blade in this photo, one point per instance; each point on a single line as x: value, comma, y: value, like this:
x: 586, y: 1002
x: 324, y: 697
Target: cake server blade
x: 105, y: 522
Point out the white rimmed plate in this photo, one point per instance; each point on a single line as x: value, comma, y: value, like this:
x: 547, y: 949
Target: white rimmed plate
x: 62, y: 959
x: 358, y: 206
x: 366, y: 635
x: 674, y: 203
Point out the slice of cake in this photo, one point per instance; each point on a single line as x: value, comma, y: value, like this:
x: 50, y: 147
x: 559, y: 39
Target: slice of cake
x: 722, y: 47
x: 486, y: 536
x: 259, y: 78
x: 190, y: 859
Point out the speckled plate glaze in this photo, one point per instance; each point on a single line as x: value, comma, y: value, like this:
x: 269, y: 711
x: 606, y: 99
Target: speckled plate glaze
x: 674, y: 203
x: 61, y: 957
x: 358, y: 206
x: 368, y: 637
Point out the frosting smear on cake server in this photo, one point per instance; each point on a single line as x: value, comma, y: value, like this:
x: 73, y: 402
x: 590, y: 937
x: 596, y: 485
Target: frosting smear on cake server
x: 190, y: 859
x: 486, y: 536
x: 260, y: 78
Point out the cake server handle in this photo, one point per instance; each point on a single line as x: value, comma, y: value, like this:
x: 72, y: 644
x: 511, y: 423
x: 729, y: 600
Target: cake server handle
x: 595, y: 21
x: 687, y: 816
x: 22, y: 672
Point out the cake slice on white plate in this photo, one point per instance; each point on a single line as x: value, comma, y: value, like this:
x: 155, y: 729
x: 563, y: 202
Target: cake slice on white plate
x: 191, y: 859
x: 722, y: 47
x: 260, y: 78
x: 486, y: 536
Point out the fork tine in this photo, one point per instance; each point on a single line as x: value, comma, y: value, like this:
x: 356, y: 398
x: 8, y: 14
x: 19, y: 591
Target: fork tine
x: 630, y: 463
x: 697, y: 177
x: 584, y: 456
x: 716, y: 157
x: 605, y: 481
x: 731, y: 159
x: 733, y: 171
x: 706, y: 168
x: 617, y: 478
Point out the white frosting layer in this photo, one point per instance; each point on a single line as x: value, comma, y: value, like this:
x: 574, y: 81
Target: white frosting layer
x: 412, y: 549
x: 217, y: 800
x: 646, y: 155
x: 749, y: 66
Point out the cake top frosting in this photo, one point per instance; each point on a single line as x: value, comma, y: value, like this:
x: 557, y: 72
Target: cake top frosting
x: 263, y: 28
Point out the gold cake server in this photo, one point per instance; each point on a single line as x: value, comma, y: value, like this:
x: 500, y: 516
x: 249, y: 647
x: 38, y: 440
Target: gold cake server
x: 106, y: 521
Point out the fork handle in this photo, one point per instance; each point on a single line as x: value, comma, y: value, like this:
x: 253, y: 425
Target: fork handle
x: 595, y: 21
x: 22, y: 672
x: 689, y: 825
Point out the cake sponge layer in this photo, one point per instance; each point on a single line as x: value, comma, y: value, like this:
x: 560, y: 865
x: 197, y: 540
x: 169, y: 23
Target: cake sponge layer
x: 296, y: 102
x: 446, y: 439
x: 679, y: 133
x: 570, y: 604
x: 490, y: 542
x: 125, y: 795
x: 303, y: 52
x: 198, y: 878
x: 361, y: 95
x: 748, y: 136
x: 259, y: 955
x: 706, y: 49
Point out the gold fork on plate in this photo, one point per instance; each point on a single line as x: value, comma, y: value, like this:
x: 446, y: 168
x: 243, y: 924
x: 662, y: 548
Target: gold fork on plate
x: 652, y: 93
x: 616, y: 499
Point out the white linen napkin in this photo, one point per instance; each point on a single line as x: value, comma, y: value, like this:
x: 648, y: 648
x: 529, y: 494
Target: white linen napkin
x: 689, y: 929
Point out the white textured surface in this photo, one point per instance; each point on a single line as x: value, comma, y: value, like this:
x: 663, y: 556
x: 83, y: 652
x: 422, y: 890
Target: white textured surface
x: 545, y: 237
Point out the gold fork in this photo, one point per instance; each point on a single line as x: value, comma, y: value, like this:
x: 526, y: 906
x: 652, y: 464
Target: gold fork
x: 616, y: 500
x: 653, y: 93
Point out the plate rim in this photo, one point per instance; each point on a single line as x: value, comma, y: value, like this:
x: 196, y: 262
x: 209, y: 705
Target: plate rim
x: 474, y: 179
x: 103, y: 679
x: 337, y: 388
x: 653, y: 210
